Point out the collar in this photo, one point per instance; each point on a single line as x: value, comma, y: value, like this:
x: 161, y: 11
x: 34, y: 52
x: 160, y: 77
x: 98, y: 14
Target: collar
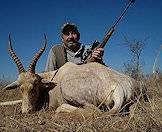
x: 78, y: 52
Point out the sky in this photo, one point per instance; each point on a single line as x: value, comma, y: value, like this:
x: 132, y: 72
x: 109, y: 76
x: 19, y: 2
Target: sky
x: 28, y: 20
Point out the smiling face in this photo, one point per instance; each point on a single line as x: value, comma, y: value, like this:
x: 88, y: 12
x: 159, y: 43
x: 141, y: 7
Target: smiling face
x: 70, y: 37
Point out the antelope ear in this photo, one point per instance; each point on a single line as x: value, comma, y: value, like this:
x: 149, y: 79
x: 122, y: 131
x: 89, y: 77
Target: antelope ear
x: 48, y: 84
x: 11, y: 86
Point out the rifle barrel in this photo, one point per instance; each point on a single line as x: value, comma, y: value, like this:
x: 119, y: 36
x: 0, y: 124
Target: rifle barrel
x: 111, y: 30
x: 109, y: 33
x: 122, y: 13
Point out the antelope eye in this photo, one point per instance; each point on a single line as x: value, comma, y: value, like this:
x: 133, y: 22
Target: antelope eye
x: 36, y: 82
x: 22, y: 90
x: 32, y: 90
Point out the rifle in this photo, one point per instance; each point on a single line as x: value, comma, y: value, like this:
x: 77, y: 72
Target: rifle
x: 108, y: 34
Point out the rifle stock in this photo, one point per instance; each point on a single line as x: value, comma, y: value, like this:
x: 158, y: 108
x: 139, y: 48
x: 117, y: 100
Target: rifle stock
x: 101, y: 45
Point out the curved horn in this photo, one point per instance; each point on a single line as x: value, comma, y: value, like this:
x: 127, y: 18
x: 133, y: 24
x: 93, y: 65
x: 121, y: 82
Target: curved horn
x: 14, y: 56
x: 37, y: 56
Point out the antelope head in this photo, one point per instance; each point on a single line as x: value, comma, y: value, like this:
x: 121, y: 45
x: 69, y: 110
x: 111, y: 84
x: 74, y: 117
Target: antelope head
x: 29, y: 83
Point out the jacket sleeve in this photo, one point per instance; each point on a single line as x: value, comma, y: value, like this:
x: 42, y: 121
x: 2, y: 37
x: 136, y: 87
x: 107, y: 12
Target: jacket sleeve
x: 51, y: 61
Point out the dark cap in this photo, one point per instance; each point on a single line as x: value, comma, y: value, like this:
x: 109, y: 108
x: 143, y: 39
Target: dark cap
x: 68, y: 27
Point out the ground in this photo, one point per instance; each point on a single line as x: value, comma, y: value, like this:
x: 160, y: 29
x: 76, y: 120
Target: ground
x: 143, y: 116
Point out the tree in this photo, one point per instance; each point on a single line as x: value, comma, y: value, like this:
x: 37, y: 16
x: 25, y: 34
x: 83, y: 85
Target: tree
x: 134, y: 67
x: 155, y: 68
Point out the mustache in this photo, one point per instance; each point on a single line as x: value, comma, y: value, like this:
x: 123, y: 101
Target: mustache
x: 71, y: 44
x: 72, y: 41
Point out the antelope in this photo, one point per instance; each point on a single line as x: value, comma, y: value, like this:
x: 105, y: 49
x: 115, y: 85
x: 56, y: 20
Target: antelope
x: 73, y: 85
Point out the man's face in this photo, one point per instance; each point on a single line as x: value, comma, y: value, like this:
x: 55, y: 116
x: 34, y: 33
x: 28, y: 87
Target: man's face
x: 70, y: 39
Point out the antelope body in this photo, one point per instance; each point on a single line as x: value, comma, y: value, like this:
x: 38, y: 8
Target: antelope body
x: 77, y: 85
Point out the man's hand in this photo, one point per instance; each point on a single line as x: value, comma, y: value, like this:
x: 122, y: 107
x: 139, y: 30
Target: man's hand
x: 97, y: 54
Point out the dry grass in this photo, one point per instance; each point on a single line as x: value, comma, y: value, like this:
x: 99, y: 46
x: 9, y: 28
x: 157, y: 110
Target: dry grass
x: 143, y: 116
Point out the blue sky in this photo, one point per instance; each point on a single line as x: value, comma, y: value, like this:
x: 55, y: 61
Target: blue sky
x: 28, y: 20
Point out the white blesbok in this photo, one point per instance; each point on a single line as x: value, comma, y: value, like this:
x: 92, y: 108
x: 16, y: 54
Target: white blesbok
x: 76, y: 85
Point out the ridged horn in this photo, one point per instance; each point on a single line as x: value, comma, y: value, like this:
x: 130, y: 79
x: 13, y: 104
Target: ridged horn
x: 14, y: 57
x: 37, y: 56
